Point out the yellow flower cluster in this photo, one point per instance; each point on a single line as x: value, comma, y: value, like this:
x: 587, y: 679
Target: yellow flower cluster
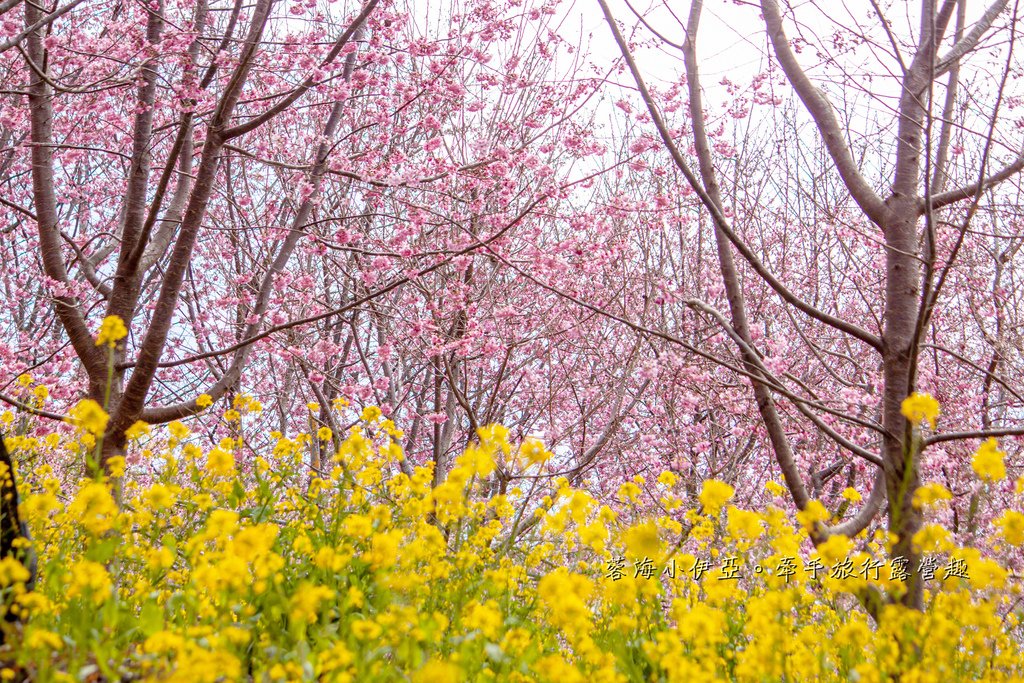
x: 988, y: 461
x: 90, y: 416
x: 370, y: 570
x: 919, y: 408
x: 112, y: 330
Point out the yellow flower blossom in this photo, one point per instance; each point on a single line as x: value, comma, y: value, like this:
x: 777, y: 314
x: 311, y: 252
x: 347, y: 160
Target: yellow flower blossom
x: 814, y: 512
x: 744, y: 525
x: 851, y: 494
x: 94, y: 508
x: 919, y: 407
x: 90, y: 416
x: 112, y: 330
x: 220, y: 463
x: 116, y: 466
x: 933, y: 538
x: 1011, y: 526
x: 12, y: 571
x: 39, y: 639
x: 714, y: 494
x: 90, y: 579
x: 629, y: 492
x: 988, y: 461
x: 483, y: 617
x: 438, y: 672
x: 533, y: 452
x: 306, y: 602
x: 642, y: 540
x: 138, y: 430
x: 365, y: 629
x: 495, y: 436
x: 178, y: 430
x: 930, y: 494
x: 374, y: 573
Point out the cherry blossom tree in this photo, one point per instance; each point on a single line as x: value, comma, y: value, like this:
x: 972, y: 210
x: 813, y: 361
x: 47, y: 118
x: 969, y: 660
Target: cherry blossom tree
x: 908, y: 212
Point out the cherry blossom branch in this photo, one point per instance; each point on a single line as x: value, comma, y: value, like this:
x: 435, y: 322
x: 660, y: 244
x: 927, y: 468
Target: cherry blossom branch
x: 31, y: 410
x: 719, y: 218
x: 974, y: 189
x: 167, y: 413
x: 970, y: 41
x: 976, y: 434
x: 45, y: 201
x: 824, y: 117
x: 155, y: 339
x: 309, y: 82
x: 44, y: 21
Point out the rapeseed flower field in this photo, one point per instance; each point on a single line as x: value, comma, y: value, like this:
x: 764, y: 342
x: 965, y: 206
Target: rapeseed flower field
x: 218, y: 564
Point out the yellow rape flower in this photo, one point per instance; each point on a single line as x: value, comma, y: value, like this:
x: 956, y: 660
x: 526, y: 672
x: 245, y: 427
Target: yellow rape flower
x: 364, y: 629
x: 851, y: 494
x: 94, y: 508
x: 112, y: 330
x: 12, y: 571
x: 930, y: 494
x: 159, y: 497
x: 477, y: 460
x: 642, y: 540
x: 835, y: 548
x: 305, y: 603
x: 39, y: 639
x: 90, y: 416
x: 714, y: 494
x: 594, y: 535
x: 220, y: 463
x: 814, y: 512
x: 438, y: 672
x: 933, y: 538
x: 486, y: 618
x: 1011, y: 524
x: 116, y: 465
x: 88, y: 577
x: 565, y: 596
x: 178, y: 430
x: 744, y: 525
x: 204, y: 401
x: 138, y: 430
x: 919, y: 407
x: 988, y: 461
x: 533, y: 451
x: 629, y: 492
x: 495, y: 436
